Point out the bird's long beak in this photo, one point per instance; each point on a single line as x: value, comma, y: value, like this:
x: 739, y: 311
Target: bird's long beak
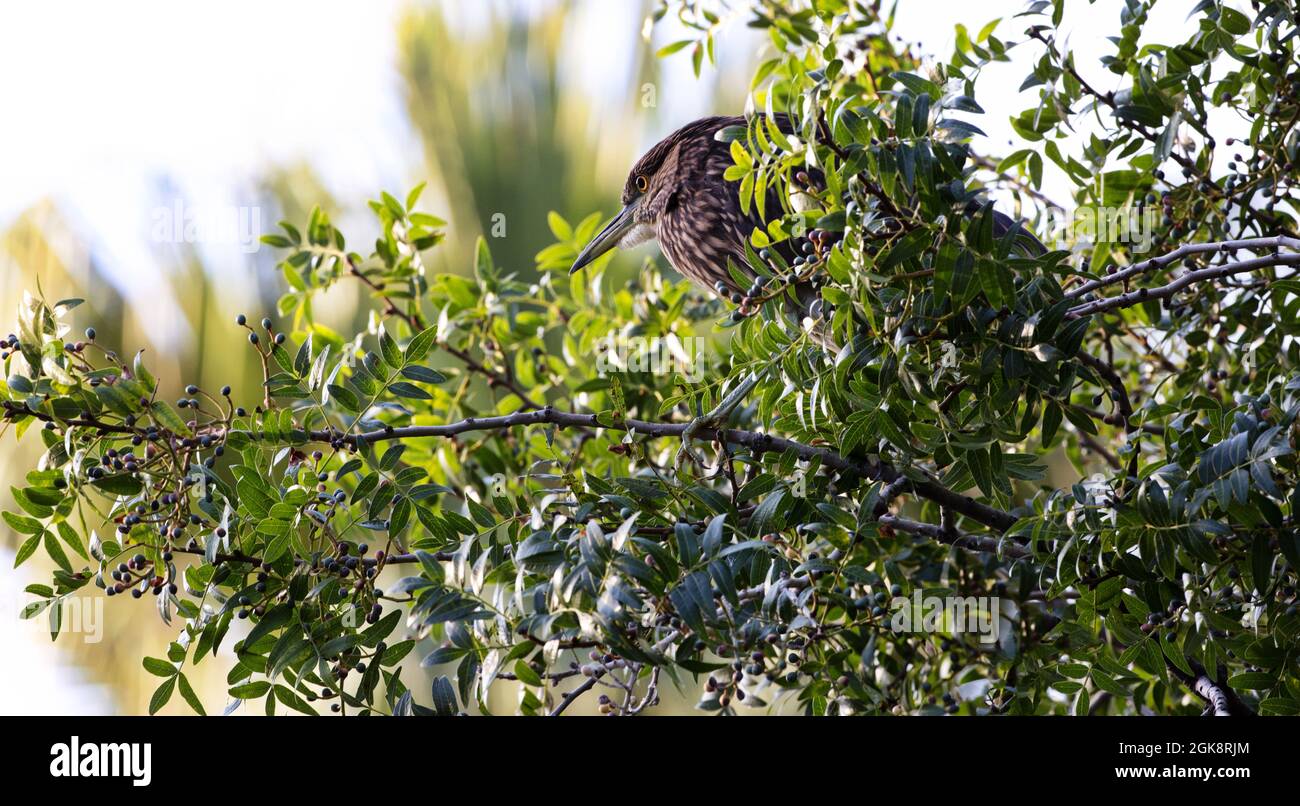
x: 609, y: 237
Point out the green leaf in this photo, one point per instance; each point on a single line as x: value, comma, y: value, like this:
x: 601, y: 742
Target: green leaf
x: 250, y: 691
x: 526, y: 674
x: 389, y: 350
x: 161, y: 695
x: 444, y: 697
x: 141, y: 373
x: 1052, y: 415
x: 253, y: 498
x: 423, y: 374
x: 1280, y: 706
x: 399, y: 517
x: 365, y: 487
x: 159, y: 667
x: 411, y: 199
x: 765, y: 515
x: 290, y: 698
x: 345, y: 398
x: 670, y: 49
x: 167, y: 417
x: 71, y: 538
x: 56, y: 552
x: 1261, y: 560
x: 275, y: 618
x: 28, y: 548
x: 118, y: 484
x: 484, y: 270
x: 190, y: 697
x: 409, y: 391
x: 918, y: 85
x: 1233, y: 21
x: 981, y: 469
x: 419, y: 346
x: 393, y: 205
x: 22, y: 524
x: 272, y: 527
x: 277, y: 548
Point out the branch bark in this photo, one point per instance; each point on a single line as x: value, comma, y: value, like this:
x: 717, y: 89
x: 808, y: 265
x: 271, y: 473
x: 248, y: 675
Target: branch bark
x: 1140, y: 295
x: 1212, y: 694
x: 756, y: 441
x: 1219, y: 699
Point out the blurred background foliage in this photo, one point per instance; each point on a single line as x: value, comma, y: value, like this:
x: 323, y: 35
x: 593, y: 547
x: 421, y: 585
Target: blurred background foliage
x: 500, y: 97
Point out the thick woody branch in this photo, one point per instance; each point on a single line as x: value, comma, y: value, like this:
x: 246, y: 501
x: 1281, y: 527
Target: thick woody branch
x: 1213, y: 695
x: 1220, y: 700
x: 757, y: 442
x: 754, y: 440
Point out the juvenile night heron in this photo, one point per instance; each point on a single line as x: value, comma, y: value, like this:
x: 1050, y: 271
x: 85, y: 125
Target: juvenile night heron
x: 677, y: 193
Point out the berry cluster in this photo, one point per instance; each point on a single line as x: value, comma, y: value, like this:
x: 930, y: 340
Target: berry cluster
x: 813, y: 251
x: 136, y: 575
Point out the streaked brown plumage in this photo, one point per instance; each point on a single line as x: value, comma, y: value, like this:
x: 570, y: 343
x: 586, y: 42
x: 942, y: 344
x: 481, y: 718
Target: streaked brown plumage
x: 677, y: 194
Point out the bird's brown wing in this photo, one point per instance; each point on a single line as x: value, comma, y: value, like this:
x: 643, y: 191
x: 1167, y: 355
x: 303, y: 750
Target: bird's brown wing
x: 703, y: 226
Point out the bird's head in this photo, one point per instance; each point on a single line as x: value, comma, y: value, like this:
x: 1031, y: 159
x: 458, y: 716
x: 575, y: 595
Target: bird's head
x: 646, y: 194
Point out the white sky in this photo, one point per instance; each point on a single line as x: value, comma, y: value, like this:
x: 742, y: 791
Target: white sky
x: 103, y: 101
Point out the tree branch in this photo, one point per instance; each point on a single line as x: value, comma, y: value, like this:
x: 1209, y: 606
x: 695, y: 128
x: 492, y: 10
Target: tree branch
x: 572, y: 696
x: 502, y: 379
x: 1140, y: 295
x: 1108, y: 98
x: 953, y: 537
x: 1212, y: 694
x: 416, y: 323
x: 754, y: 440
x: 1219, y: 698
x: 1122, y: 403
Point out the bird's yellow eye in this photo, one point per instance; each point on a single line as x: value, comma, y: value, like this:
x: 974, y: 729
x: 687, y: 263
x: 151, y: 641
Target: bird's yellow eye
x: 642, y: 183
